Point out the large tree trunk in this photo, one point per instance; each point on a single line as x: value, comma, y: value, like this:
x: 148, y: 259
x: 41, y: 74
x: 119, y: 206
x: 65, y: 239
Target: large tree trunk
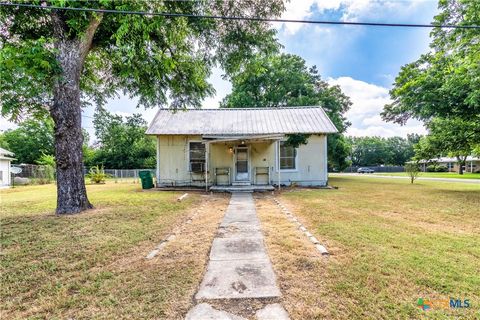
x: 67, y: 115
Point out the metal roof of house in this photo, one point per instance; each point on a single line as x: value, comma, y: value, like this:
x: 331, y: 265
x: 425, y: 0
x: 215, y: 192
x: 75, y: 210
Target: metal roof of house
x: 241, y: 121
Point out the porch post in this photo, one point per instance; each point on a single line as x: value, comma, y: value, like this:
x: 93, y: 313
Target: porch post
x: 325, y: 157
x: 158, y: 161
x: 207, y: 147
x: 277, y: 157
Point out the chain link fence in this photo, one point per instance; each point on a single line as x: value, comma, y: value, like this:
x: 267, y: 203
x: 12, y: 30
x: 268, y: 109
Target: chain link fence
x: 46, y: 174
x: 34, y: 173
x: 125, y: 174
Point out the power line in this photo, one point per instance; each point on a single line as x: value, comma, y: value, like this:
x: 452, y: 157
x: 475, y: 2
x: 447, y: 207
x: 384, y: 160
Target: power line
x: 256, y: 19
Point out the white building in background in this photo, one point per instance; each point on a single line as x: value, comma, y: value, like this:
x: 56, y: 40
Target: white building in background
x: 6, y: 158
x: 472, y: 164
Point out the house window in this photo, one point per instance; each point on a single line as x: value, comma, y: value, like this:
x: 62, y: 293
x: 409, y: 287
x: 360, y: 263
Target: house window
x: 287, y: 157
x: 197, y: 156
x: 1, y: 176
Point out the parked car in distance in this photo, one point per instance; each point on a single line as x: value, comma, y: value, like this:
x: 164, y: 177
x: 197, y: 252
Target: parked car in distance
x: 365, y: 170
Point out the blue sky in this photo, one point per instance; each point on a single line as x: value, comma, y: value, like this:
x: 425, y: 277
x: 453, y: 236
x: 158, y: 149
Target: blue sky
x: 370, y: 54
x: 363, y: 61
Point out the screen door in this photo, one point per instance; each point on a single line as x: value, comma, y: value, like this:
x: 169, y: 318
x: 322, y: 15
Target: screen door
x: 241, y: 164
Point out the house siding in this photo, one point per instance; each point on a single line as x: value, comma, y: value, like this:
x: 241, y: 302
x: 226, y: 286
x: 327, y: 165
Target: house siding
x: 174, y: 161
x: 5, y: 179
x: 311, y: 164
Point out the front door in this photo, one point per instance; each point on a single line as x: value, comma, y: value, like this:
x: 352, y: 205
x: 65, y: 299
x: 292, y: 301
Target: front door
x: 241, y: 164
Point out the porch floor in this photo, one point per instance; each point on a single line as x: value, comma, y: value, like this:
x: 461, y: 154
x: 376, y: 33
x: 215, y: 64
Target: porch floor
x: 249, y: 188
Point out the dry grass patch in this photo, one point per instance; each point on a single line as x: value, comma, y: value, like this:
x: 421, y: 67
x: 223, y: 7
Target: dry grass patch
x: 299, y: 267
x: 391, y: 243
x: 93, y: 265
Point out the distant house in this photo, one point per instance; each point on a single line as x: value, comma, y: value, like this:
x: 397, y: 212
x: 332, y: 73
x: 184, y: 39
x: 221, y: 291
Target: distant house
x: 472, y: 164
x: 245, y: 148
x: 6, y: 158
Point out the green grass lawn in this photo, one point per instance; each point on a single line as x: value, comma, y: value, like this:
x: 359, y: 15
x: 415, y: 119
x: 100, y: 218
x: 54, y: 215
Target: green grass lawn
x: 435, y: 175
x: 92, y: 265
x: 392, y: 243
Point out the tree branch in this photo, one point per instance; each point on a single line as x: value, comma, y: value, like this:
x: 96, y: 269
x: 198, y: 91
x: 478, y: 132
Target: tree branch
x: 87, y: 38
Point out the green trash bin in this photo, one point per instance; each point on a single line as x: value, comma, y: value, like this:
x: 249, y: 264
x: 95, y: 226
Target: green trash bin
x: 147, y: 179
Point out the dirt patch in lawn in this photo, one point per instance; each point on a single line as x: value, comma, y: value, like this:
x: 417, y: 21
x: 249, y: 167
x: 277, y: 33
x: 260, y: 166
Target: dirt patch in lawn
x: 122, y: 284
x: 299, y: 267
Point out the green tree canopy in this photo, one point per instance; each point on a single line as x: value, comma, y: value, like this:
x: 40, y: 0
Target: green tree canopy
x: 31, y: 140
x: 54, y: 61
x: 445, y: 82
x: 373, y: 151
x: 285, y: 80
x: 3, y: 143
x: 122, y: 144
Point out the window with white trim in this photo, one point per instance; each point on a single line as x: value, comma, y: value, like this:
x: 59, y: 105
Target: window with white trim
x: 196, y: 152
x: 1, y: 176
x: 287, y: 156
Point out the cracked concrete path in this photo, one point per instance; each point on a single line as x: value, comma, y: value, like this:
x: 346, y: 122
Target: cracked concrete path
x: 239, y: 266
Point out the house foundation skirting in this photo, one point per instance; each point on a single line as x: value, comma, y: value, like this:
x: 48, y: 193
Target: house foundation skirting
x: 187, y: 183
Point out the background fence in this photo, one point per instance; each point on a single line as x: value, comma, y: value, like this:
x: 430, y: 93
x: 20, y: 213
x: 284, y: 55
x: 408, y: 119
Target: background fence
x: 34, y: 171
x: 377, y: 168
x: 124, y: 174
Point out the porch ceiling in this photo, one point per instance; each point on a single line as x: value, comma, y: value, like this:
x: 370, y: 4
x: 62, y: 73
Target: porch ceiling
x: 245, y: 138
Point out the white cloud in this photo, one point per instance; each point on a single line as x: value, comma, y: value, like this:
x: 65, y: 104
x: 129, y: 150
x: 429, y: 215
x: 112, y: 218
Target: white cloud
x: 302, y: 9
x: 373, y: 121
x: 374, y: 9
x: 352, y: 10
x: 368, y: 98
x: 5, y: 124
x: 367, y: 103
x: 387, y: 130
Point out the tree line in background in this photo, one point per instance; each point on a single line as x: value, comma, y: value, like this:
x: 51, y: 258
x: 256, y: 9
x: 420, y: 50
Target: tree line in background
x: 374, y: 151
x: 120, y: 143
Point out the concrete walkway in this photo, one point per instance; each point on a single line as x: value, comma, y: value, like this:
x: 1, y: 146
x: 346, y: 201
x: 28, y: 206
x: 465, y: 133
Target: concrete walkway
x: 239, y: 266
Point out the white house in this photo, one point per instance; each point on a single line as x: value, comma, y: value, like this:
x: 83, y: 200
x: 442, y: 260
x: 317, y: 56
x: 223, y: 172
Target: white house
x: 5, y: 160
x: 228, y: 149
x: 472, y: 164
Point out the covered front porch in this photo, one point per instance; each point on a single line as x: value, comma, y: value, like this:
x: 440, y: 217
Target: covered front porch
x: 241, y: 163
x: 218, y: 162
